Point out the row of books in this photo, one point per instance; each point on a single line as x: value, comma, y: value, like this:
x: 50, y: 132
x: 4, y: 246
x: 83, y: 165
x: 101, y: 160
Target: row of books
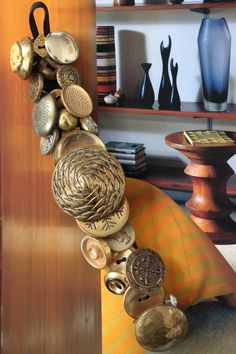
x: 131, y: 156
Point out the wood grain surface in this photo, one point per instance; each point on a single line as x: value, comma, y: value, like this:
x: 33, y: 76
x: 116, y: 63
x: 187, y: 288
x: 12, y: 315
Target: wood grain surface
x: 50, y: 295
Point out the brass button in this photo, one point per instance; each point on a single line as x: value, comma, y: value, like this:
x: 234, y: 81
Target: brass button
x: 44, y: 115
x: 66, y: 121
x: 119, y: 259
x: 36, y: 87
x: 62, y: 47
x: 96, y: 252
x: 77, y: 101
x: 145, y: 270
x: 107, y: 225
x: 122, y: 240
x: 136, y: 302
x: 116, y: 282
x: 48, y: 68
x: 28, y: 55
x: 56, y: 93
x: 67, y: 75
x: 39, y: 46
x: 160, y: 327
x: 171, y: 300
x: 75, y: 140
x: 87, y: 123
x: 48, y: 142
x: 16, y: 57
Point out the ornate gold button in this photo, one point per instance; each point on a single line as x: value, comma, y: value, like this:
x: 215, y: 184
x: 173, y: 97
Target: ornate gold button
x: 16, y: 57
x: 160, y: 327
x: 67, y: 75
x: 75, y: 140
x: 28, y: 55
x: 122, y: 240
x: 96, y: 252
x: 108, y: 224
x: 89, y: 185
x: 66, y: 121
x: 118, y: 263
x: 48, y: 142
x: 56, y: 93
x: 136, y: 302
x: 145, y: 270
x: 116, y: 282
x: 36, y: 87
x: 77, y: 101
x: 87, y: 123
x: 62, y: 47
x: 44, y: 115
x: 39, y: 46
x: 48, y: 68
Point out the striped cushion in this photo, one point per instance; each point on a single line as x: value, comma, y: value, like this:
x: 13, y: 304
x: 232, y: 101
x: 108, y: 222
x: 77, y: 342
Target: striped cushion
x: 195, y: 270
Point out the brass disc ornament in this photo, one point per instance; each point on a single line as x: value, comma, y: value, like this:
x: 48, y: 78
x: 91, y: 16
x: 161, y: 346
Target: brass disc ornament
x: 67, y: 75
x: 48, y: 142
x: 145, y: 270
x: 88, y: 123
x: 62, y: 47
x: 96, y: 252
x: 122, y: 240
x: 160, y: 327
x: 76, y: 100
x: 16, y: 57
x: 88, y: 184
x: 74, y: 140
x: 116, y: 282
x: 21, y: 57
x: 36, y: 87
x: 118, y: 263
x: 44, y: 115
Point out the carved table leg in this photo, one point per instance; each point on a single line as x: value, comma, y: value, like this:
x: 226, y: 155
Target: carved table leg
x: 209, y: 204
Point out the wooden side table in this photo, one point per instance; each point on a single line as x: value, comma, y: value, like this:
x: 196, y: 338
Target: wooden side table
x: 208, y: 168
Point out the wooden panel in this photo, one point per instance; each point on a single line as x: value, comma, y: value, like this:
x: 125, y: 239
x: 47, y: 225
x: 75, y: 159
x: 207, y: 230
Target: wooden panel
x: 50, y: 295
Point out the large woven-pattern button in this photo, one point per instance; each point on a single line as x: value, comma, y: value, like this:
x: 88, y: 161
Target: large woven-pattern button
x: 88, y: 184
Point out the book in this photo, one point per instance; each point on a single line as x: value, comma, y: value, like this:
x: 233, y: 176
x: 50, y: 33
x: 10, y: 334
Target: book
x: 132, y: 162
x: 208, y: 137
x: 134, y: 167
x: 128, y: 156
x: 124, y: 147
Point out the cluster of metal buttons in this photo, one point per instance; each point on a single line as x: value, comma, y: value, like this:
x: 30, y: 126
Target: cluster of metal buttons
x: 89, y: 184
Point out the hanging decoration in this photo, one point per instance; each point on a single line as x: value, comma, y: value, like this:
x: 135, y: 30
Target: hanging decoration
x: 88, y: 183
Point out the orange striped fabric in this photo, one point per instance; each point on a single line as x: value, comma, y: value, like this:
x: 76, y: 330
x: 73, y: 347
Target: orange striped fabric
x: 195, y: 270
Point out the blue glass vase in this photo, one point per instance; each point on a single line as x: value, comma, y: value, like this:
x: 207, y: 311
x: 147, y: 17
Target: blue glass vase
x: 214, y: 45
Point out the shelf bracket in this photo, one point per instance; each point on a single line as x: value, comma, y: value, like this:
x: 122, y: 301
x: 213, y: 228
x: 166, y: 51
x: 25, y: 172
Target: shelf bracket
x: 204, y: 11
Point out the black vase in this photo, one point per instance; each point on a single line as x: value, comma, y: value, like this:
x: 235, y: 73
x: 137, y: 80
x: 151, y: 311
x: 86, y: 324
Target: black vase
x: 146, y: 92
x: 165, y: 85
x: 174, y: 97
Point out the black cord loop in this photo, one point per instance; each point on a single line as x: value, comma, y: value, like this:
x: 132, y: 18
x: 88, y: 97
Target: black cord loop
x: 32, y: 23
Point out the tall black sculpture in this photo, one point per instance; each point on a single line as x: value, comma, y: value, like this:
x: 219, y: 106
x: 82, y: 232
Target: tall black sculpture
x: 165, y: 85
x: 174, y: 97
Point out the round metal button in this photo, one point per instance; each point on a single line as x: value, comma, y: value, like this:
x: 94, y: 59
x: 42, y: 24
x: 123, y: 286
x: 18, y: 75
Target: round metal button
x: 48, y: 142
x: 116, y: 282
x: 87, y: 123
x: 62, y: 47
x: 135, y: 302
x: 122, y: 240
x: 77, y: 101
x: 36, y: 87
x: 48, y: 68
x: 39, y: 46
x: 16, y: 57
x: 145, y: 270
x: 56, y: 93
x: 160, y: 327
x: 119, y: 259
x: 75, y: 140
x: 96, y: 252
x: 66, y: 121
x: 108, y: 225
x: 44, y: 115
x: 67, y: 75
x: 28, y: 55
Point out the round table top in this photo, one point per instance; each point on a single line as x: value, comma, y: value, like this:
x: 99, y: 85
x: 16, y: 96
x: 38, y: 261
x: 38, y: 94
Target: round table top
x: 178, y: 141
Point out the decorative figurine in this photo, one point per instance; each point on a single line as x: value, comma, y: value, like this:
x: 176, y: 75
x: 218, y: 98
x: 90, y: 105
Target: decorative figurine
x: 174, y: 97
x: 165, y: 85
x: 146, y: 92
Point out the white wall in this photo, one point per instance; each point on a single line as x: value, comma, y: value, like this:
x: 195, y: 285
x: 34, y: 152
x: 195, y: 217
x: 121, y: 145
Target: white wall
x: 146, y: 30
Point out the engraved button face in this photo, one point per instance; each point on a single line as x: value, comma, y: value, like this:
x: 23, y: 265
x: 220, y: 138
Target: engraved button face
x: 87, y: 123
x: 135, y: 302
x: 28, y: 55
x: 96, y: 252
x: 67, y: 75
x: 119, y: 259
x: 62, y: 47
x: 39, y: 46
x: 145, y: 270
x: 16, y: 57
x: 36, y: 87
x: 44, y: 115
x: 160, y: 327
x: 122, y: 240
x: 77, y: 101
x: 48, y: 142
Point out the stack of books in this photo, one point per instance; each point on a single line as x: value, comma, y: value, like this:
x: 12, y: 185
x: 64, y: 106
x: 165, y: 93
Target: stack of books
x: 131, y: 156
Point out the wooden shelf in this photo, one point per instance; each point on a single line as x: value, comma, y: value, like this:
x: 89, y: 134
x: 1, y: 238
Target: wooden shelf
x: 188, y: 109
x: 176, y: 179
x: 165, y: 5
